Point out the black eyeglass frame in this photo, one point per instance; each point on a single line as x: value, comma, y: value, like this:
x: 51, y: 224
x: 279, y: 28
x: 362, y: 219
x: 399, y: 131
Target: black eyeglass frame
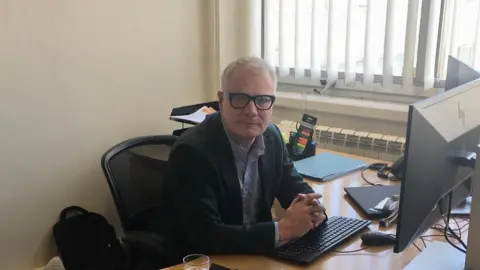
x: 231, y: 95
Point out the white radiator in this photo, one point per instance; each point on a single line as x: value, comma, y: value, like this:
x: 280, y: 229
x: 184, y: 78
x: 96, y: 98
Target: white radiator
x: 356, y: 142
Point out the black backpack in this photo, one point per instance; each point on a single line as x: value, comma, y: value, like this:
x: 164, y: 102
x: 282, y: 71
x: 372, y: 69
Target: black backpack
x: 86, y: 241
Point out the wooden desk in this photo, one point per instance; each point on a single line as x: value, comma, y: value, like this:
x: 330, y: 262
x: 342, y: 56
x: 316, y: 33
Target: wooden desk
x: 337, y: 205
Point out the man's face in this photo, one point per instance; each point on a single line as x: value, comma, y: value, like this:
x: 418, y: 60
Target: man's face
x: 247, y: 121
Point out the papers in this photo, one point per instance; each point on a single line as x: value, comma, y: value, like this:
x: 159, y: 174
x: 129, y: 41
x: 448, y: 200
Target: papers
x: 196, y: 117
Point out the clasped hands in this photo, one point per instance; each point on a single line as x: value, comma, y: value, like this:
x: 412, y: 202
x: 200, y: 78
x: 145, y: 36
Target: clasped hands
x: 305, y: 213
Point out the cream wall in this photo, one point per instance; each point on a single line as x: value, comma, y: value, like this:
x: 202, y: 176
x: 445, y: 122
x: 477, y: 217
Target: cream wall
x: 77, y: 77
x: 231, y: 26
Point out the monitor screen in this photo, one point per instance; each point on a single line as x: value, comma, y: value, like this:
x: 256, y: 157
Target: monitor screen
x: 438, y: 128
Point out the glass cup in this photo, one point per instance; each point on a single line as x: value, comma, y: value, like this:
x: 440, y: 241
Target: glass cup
x: 196, y: 262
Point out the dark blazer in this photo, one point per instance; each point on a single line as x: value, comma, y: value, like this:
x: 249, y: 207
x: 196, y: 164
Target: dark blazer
x: 203, y: 191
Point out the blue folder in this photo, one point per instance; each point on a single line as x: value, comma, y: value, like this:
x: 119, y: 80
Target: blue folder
x: 327, y: 166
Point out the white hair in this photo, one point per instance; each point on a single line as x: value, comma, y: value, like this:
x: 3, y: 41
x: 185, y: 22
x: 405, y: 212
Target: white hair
x: 253, y: 63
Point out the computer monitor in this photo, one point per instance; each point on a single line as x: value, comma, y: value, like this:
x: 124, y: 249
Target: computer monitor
x: 438, y: 129
x: 459, y: 73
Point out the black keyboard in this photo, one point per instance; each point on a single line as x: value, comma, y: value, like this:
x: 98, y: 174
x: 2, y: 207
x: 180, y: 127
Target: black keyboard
x: 325, y: 237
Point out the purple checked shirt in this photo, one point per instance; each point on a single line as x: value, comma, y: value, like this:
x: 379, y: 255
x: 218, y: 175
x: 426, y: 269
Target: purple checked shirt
x: 246, y: 162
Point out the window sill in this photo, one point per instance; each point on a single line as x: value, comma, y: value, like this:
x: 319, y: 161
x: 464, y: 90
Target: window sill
x: 343, y: 106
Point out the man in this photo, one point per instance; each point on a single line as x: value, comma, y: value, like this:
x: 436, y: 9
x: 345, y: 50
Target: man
x: 227, y: 171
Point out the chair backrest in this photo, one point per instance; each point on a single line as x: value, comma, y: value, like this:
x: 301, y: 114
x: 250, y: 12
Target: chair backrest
x: 135, y: 170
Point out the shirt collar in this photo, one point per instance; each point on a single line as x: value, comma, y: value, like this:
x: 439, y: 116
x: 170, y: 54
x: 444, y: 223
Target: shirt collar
x: 257, y: 149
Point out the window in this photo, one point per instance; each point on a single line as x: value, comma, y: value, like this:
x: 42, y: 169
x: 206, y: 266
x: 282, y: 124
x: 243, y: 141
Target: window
x: 394, y: 43
x: 461, y: 34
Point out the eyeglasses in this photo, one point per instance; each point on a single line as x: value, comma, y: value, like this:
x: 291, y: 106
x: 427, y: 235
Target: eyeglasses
x: 241, y: 100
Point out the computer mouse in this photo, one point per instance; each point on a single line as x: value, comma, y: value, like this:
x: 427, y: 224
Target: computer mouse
x: 376, y: 238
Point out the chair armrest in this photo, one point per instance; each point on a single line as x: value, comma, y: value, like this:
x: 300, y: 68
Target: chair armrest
x: 149, y: 250
x: 146, y: 242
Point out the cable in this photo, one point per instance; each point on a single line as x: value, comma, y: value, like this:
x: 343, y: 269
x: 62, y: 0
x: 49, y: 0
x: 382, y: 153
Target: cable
x: 350, y: 251
x: 433, y: 235
x: 448, y: 222
x: 448, y: 229
x: 365, y: 179
x: 417, y: 247
x: 450, y: 242
x: 423, y: 241
x: 464, y: 225
x: 458, y: 226
x: 441, y: 228
x: 379, y: 168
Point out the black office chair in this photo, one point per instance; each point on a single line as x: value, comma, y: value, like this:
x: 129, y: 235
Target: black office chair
x: 135, y: 170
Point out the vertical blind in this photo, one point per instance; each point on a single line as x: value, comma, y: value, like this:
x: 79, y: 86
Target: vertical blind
x: 460, y: 33
x: 386, y: 41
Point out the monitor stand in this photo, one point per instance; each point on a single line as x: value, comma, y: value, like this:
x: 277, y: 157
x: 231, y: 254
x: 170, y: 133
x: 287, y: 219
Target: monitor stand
x: 463, y: 209
x: 439, y: 256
